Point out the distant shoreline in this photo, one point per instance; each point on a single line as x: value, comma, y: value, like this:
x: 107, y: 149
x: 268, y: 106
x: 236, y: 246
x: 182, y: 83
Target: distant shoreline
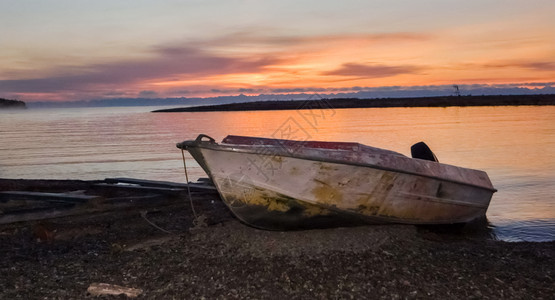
x: 12, y: 104
x: 340, y: 103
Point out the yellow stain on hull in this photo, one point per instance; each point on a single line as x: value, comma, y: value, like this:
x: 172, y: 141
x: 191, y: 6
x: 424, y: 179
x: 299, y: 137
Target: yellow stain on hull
x: 326, y: 194
x: 272, y: 201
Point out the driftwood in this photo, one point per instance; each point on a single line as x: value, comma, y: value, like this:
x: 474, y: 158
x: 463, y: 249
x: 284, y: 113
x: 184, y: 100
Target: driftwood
x: 145, y: 182
x: 50, y: 197
x: 205, y: 186
x: 159, y: 190
x: 99, y: 289
x: 20, y: 206
x: 46, y: 213
x: 29, y: 204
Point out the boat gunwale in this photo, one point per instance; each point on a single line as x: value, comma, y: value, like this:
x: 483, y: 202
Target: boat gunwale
x: 282, y: 152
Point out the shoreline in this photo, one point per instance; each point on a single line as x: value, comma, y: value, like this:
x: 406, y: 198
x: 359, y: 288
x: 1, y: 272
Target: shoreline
x: 343, y: 103
x: 8, y: 104
x: 216, y: 256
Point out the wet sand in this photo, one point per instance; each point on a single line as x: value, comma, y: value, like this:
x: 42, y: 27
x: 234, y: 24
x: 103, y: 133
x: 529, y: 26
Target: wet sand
x: 219, y: 257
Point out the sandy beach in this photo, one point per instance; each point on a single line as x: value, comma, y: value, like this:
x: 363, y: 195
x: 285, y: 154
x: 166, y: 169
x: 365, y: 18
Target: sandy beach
x: 165, y: 253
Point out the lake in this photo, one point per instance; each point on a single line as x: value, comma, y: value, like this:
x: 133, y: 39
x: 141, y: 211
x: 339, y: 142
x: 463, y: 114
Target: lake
x: 514, y: 145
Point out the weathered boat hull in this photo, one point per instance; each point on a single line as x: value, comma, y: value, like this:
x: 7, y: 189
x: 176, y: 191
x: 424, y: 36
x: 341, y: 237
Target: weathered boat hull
x: 272, y: 188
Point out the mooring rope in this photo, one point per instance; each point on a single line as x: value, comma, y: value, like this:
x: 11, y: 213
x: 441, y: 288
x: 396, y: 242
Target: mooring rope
x: 188, y: 189
x: 143, y: 214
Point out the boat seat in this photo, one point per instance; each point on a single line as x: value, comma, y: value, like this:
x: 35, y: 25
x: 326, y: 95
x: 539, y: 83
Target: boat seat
x: 422, y: 151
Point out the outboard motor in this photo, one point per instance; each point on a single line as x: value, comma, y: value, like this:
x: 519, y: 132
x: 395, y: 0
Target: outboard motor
x: 422, y: 151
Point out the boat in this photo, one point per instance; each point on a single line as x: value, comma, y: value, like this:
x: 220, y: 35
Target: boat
x: 279, y: 184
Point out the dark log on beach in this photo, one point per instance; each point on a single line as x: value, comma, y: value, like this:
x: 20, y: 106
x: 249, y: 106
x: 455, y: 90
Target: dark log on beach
x: 203, y: 186
x: 40, y: 213
x: 45, y: 185
x: 27, y: 200
x: 50, y: 197
x: 144, y: 189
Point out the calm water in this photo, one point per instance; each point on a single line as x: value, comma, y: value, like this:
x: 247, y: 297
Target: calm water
x: 515, y: 145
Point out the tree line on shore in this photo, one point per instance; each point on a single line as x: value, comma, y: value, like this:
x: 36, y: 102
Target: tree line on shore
x: 337, y: 103
x: 6, y: 103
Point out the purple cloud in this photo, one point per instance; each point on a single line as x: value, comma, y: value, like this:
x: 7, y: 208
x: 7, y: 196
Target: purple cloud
x: 147, y: 94
x: 533, y: 65
x: 258, y: 37
x: 177, y: 62
x: 375, y: 71
x: 539, y: 65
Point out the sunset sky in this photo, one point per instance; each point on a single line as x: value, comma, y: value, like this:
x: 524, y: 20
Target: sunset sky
x: 81, y: 50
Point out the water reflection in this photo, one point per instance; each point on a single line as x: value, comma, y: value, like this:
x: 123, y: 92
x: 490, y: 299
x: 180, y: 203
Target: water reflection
x: 534, y: 230
x: 537, y: 230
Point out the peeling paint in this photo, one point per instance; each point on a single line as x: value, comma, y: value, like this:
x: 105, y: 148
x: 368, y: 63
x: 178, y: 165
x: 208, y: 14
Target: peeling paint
x: 257, y: 196
x: 276, y: 158
x: 294, y: 171
x: 326, y: 194
x: 326, y: 167
x: 314, y: 210
x: 368, y: 210
x: 244, y: 195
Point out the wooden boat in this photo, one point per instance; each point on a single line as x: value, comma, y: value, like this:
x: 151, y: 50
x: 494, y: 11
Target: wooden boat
x: 285, y: 184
